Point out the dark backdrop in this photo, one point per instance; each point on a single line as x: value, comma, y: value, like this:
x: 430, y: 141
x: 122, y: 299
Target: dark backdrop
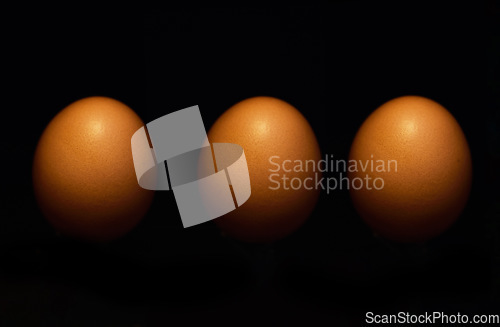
x: 336, y: 62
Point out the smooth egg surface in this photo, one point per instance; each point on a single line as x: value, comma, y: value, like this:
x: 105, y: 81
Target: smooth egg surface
x: 429, y: 188
x: 83, y: 174
x: 268, y: 127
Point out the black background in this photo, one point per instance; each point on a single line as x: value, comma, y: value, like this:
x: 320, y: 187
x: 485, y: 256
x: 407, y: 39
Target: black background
x: 336, y: 62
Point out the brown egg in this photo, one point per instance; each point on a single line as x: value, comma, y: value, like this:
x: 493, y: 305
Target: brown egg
x: 427, y: 183
x: 83, y: 173
x: 267, y: 127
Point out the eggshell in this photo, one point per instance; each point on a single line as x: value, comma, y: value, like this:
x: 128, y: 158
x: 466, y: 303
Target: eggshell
x: 83, y: 174
x: 266, y: 127
x: 434, y: 171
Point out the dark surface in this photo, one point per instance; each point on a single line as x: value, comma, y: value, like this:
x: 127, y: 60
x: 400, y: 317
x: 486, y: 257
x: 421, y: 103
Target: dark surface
x: 336, y: 63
